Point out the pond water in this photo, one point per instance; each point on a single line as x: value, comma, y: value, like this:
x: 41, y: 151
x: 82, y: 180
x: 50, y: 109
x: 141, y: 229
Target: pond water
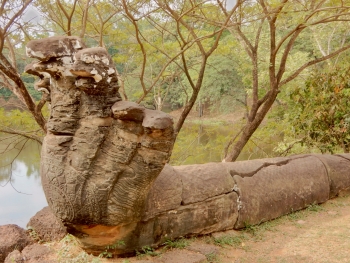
x: 21, y: 192
x: 203, y: 143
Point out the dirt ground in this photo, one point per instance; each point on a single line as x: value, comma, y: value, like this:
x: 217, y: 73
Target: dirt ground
x: 318, y: 234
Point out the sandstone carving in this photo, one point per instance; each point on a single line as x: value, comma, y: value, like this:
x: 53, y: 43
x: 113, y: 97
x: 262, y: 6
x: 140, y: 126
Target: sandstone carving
x: 104, y: 168
x: 98, y: 161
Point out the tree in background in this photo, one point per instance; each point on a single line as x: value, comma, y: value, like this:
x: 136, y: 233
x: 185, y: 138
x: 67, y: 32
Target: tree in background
x: 13, y: 31
x: 321, y: 109
x: 268, y: 31
x: 174, y: 36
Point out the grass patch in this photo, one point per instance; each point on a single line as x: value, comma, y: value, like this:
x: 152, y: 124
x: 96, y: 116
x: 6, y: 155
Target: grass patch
x: 297, y: 215
x: 314, y: 208
x: 108, y: 253
x: 146, y: 251
x: 180, y: 243
x: 257, y: 231
x: 235, y: 241
x: 213, y: 258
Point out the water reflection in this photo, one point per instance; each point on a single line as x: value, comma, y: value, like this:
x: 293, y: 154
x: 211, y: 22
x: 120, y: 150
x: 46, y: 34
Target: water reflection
x: 14, y: 150
x: 21, y: 191
x: 203, y: 143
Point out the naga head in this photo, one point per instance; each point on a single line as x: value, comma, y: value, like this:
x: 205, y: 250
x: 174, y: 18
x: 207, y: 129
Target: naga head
x: 100, y: 154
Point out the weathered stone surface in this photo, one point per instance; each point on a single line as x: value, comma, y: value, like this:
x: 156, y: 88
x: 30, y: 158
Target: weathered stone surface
x: 96, y: 167
x: 344, y: 155
x: 14, y: 257
x: 128, y: 110
x: 250, y: 167
x: 165, y: 193
x: 37, y: 253
x: 338, y: 169
x: 46, y: 227
x: 215, y: 214
x: 94, y: 63
x: 204, y: 181
x: 32, y: 254
x: 54, y: 47
x: 12, y: 237
x: 183, y: 256
x: 280, y: 189
x: 156, y: 120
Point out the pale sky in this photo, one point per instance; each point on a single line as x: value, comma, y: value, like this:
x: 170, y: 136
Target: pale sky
x: 230, y: 3
x: 31, y: 13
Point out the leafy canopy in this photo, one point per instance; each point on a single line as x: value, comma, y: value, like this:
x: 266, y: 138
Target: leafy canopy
x: 322, y: 109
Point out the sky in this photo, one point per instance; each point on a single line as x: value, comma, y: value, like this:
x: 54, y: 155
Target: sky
x: 230, y: 3
x: 31, y: 13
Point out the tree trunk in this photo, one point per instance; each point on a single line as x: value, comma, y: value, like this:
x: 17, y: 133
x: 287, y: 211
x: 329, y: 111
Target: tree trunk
x: 251, y: 126
x: 21, y: 92
x: 247, y: 132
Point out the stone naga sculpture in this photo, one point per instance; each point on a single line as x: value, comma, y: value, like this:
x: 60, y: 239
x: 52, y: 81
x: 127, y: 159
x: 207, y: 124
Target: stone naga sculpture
x: 103, y: 164
x: 100, y: 155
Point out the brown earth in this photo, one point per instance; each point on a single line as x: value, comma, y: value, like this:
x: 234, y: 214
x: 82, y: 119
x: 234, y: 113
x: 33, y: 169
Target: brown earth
x: 318, y: 234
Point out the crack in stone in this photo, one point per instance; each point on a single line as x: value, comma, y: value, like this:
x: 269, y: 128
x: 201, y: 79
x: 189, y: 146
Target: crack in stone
x: 341, y: 156
x: 265, y: 165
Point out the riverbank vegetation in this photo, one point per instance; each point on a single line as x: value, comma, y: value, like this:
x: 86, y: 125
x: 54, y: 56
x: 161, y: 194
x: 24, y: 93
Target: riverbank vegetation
x: 279, y: 67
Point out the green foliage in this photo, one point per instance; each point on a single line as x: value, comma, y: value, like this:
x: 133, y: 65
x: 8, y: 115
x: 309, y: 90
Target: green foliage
x: 204, y: 140
x: 17, y: 119
x: 212, y: 258
x: 229, y: 240
x: 178, y: 243
x: 28, y: 81
x: 108, y: 253
x: 200, y: 143
x: 5, y: 93
x: 146, y: 251
x: 321, y: 109
x: 34, y: 235
x: 222, y: 85
x: 314, y: 208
